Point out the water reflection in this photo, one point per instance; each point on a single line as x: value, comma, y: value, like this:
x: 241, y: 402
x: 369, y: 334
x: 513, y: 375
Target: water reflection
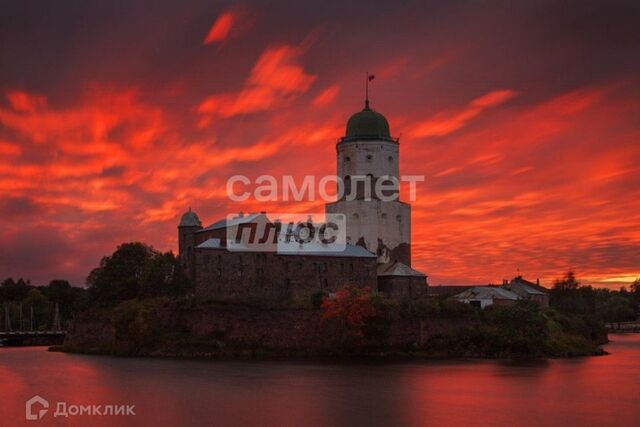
x: 587, y: 391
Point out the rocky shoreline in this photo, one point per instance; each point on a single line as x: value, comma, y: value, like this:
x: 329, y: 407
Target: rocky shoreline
x: 166, y: 327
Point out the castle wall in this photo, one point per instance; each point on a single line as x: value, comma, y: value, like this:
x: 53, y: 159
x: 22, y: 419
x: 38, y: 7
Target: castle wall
x: 403, y: 287
x: 277, y: 277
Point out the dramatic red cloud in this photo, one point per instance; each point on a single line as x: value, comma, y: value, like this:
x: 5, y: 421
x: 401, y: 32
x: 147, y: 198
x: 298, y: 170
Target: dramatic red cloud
x: 231, y: 23
x: 274, y: 79
x: 327, y: 96
x: 445, y: 123
x: 220, y: 28
x: 531, y: 162
x: 22, y: 101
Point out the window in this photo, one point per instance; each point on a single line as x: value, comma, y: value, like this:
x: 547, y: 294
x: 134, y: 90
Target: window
x: 369, y: 157
x: 347, y: 159
x: 390, y: 159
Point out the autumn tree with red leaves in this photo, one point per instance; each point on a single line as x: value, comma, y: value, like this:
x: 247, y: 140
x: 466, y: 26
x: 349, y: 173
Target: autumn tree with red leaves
x: 352, y: 315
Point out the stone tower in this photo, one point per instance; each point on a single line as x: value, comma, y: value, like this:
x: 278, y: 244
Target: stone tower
x: 189, y: 224
x: 367, y: 155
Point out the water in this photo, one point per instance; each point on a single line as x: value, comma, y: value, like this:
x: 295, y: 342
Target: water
x: 595, y: 391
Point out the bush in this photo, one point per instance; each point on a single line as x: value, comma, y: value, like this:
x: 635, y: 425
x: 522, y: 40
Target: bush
x: 137, y: 327
x: 317, y: 298
x: 353, y: 316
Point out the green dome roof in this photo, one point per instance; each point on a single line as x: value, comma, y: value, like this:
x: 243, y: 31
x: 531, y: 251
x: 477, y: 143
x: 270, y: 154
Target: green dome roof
x: 368, y: 124
x: 190, y: 219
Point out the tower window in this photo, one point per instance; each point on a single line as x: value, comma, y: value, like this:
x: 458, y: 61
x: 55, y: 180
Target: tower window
x: 390, y: 159
x: 398, y: 217
x: 369, y: 157
x: 384, y: 216
x: 348, y: 159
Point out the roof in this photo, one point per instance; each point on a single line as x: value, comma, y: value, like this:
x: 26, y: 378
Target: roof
x: 396, y: 268
x: 529, y: 287
x: 354, y: 251
x: 210, y: 244
x: 190, y: 219
x: 367, y: 124
x: 487, y: 292
x: 224, y: 222
x: 526, y: 288
x: 447, y: 290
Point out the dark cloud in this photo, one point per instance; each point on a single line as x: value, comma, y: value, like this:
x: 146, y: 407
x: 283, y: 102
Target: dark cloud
x: 101, y: 139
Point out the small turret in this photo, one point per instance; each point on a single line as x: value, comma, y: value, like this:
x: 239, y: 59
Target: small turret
x: 189, y: 225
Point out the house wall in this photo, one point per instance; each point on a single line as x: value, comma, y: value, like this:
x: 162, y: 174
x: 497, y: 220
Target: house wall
x: 401, y: 287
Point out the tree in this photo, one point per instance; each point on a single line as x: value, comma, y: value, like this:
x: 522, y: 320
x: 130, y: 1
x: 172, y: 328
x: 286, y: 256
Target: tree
x: 69, y: 298
x: 162, y: 275
x: 12, y: 290
x: 118, y: 277
x: 635, y: 289
x: 521, y: 328
x: 42, y: 310
x: 567, y: 283
x: 350, y: 314
x: 619, y: 309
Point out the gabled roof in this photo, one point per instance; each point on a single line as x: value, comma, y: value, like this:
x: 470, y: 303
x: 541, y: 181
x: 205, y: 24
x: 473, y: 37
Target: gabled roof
x: 487, y: 292
x: 526, y: 288
x: 396, y: 268
x: 529, y: 287
x: 224, y: 222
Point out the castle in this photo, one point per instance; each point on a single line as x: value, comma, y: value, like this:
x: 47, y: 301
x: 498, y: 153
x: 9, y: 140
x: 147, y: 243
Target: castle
x: 377, y: 253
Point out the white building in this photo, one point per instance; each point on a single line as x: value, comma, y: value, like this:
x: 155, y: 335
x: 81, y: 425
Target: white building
x: 367, y: 151
x: 484, y: 296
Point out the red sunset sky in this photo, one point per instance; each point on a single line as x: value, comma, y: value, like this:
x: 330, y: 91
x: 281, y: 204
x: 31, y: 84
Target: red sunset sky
x: 524, y: 118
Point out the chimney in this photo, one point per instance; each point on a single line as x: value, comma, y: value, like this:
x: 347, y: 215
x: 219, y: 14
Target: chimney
x: 538, y: 281
x: 240, y: 214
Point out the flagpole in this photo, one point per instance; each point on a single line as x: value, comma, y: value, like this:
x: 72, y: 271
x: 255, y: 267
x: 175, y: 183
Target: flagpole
x: 366, y: 91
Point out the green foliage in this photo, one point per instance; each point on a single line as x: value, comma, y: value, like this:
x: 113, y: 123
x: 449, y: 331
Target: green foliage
x: 635, y: 290
x: 12, y: 290
x: 519, y: 328
x: 118, y: 276
x: 567, y: 283
x: 137, y: 327
x: 570, y: 298
x: 317, y: 298
x: 42, y: 309
x: 619, y: 309
x: 135, y: 270
x: 19, y: 297
x: 441, y: 308
x: 162, y: 275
